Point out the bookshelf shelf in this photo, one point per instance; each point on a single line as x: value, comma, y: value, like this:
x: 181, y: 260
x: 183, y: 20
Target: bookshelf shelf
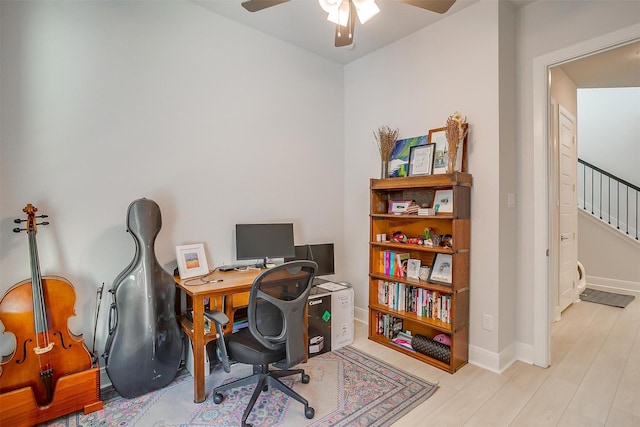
x: 397, y: 302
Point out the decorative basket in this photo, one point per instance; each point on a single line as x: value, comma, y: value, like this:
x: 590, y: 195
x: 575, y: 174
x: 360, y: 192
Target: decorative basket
x: 431, y: 348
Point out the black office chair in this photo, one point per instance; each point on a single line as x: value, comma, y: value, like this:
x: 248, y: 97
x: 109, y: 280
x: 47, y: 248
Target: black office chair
x: 275, y: 335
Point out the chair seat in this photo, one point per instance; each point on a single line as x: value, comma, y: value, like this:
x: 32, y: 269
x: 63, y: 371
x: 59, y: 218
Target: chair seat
x: 245, y: 349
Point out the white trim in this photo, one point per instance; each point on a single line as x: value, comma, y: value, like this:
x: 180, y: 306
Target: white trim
x: 485, y: 359
x: 494, y: 362
x: 541, y: 279
x: 361, y: 315
x: 612, y: 285
x: 524, y: 353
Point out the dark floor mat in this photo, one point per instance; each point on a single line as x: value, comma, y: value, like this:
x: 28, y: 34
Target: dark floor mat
x: 606, y: 298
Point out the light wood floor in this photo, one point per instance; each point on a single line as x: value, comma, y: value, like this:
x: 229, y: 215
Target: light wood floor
x: 593, y: 380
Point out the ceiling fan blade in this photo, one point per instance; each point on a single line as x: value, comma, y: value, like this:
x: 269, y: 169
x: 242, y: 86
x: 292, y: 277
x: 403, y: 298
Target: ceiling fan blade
x: 344, y: 34
x: 438, y: 6
x: 256, y: 5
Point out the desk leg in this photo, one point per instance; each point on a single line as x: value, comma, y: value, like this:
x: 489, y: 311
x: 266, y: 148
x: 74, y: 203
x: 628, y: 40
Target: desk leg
x: 199, y: 395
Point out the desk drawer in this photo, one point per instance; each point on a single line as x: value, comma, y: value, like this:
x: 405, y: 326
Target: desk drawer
x: 240, y: 300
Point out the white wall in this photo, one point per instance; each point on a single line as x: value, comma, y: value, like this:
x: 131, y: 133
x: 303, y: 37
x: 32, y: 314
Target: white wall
x: 608, y: 130
x: 106, y: 102
x: 545, y: 28
x: 162, y: 96
x: 414, y: 84
x: 615, y: 267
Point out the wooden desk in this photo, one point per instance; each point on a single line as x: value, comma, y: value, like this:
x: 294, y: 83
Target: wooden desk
x: 235, y: 285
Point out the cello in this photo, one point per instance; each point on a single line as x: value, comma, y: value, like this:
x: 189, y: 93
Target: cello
x: 36, y: 312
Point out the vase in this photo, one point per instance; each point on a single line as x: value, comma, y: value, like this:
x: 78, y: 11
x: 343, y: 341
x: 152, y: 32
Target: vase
x: 384, y: 169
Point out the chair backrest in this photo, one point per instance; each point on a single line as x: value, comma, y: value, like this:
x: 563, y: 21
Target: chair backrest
x: 277, y: 307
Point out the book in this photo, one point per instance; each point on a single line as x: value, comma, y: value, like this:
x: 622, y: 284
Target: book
x: 401, y: 264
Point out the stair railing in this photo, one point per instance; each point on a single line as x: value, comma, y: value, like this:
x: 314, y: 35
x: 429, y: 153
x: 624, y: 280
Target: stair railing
x: 612, y: 199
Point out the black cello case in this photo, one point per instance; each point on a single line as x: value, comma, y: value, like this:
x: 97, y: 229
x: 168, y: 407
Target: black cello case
x: 144, y: 347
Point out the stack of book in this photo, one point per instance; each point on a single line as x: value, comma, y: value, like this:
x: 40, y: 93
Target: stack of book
x: 388, y: 325
x: 393, y: 263
x: 422, y: 302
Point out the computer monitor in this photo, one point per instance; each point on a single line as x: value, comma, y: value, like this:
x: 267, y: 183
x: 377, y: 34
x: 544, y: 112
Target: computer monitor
x: 264, y: 241
x: 322, y: 254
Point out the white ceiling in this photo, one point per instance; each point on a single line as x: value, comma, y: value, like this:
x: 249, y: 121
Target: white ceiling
x: 618, y: 67
x: 303, y: 23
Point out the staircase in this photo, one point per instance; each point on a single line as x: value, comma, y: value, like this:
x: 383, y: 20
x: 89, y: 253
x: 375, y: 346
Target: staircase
x: 609, y: 198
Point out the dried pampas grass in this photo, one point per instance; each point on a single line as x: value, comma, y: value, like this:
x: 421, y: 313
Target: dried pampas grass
x: 386, y: 139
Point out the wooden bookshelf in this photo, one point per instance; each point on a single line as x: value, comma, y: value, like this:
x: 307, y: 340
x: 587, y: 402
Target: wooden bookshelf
x: 453, y: 320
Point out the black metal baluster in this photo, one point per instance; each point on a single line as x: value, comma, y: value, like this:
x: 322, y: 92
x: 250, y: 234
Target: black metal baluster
x: 627, y: 219
x: 600, y: 196
x: 591, y: 191
x: 584, y: 187
x: 609, y: 197
x: 618, y: 208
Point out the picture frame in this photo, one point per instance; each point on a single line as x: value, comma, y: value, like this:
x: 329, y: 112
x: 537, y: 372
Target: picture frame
x: 192, y: 261
x: 443, y: 201
x: 441, y: 270
x: 398, y: 207
x: 421, y: 160
x: 399, y: 158
x: 413, y: 268
x: 439, y: 138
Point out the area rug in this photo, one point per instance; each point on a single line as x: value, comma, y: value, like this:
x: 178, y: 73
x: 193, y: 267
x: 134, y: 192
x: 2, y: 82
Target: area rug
x: 606, y: 298
x: 347, y: 388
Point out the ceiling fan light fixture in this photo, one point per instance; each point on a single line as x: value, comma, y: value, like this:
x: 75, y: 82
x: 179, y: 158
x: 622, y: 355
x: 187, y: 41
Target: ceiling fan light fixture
x: 340, y: 15
x: 366, y: 9
x: 330, y: 5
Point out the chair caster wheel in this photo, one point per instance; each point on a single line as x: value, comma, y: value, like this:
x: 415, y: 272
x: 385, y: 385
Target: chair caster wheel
x: 309, y: 412
x: 218, y: 398
x: 305, y: 379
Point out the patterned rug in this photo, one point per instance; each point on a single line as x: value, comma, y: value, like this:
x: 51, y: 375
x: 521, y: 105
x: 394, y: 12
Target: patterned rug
x: 347, y: 388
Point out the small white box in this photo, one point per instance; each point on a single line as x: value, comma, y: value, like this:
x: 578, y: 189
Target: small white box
x: 189, y: 361
x: 341, y: 318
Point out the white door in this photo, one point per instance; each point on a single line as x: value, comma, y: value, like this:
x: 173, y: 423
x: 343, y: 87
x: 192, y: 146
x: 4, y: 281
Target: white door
x: 568, y: 248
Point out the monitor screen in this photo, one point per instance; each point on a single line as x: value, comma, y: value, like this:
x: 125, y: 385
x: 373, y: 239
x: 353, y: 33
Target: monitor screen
x: 301, y: 253
x: 323, y: 256
x: 262, y: 241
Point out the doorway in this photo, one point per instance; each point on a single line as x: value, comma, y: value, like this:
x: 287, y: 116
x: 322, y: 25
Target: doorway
x: 543, y: 250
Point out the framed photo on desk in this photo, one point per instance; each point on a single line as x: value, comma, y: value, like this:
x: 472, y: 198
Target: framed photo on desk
x: 192, y: 261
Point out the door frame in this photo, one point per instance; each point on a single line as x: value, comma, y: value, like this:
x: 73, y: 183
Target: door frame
x: 543, y: 180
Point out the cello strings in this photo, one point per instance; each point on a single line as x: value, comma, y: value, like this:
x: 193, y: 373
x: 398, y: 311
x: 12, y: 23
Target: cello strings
x: 39, y: 306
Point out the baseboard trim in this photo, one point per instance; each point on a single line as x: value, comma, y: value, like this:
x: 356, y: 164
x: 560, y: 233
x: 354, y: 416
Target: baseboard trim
x: 491, y: 361
x: 361, y: 314
x: 612, y: 285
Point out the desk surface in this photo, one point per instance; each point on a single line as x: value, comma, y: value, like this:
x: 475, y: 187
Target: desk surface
x: 230, y: 282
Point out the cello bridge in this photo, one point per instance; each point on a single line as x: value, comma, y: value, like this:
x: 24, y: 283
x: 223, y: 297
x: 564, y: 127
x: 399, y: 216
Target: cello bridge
x: 42, y: 350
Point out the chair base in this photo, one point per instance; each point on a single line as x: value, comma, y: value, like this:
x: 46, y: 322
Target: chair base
x: 265, y: 378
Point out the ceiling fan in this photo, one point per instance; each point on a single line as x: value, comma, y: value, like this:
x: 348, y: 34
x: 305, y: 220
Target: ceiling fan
x: 343, y: 12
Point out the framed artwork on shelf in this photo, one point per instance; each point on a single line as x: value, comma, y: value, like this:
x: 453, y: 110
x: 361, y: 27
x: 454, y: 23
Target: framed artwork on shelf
x: 443, y: 201
x: 398, y: 206
x: 399, y: 159
x: 421, y: 159
x: 413, y: 268
x: 192, y: 261
x: 441, y: 269
x: 438, y: 137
